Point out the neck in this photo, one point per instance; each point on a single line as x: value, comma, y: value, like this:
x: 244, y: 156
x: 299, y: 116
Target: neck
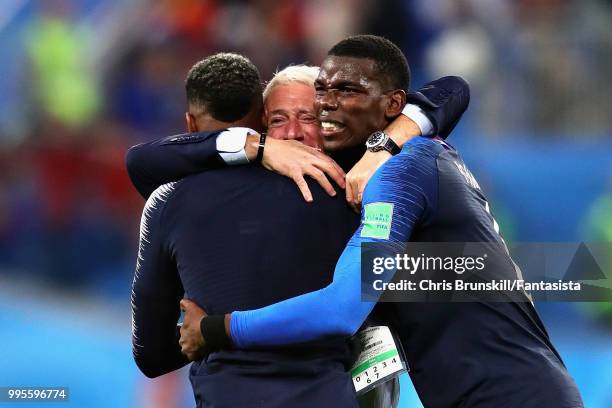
x: 209, y: 124
x: 206, y: 123
x: 347, y: 158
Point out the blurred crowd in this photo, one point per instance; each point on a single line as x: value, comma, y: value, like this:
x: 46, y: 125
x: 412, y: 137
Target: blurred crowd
x: 83, y: 80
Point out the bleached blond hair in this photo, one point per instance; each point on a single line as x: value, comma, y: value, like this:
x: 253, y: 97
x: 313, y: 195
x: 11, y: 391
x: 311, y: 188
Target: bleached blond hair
x: 304, y: 74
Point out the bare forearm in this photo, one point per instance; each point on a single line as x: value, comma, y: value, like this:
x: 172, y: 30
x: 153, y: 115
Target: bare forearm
x: 402, y: 129
x: 251, y: 146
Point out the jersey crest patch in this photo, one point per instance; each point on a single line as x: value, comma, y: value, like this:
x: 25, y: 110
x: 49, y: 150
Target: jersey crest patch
x: 377, y: 220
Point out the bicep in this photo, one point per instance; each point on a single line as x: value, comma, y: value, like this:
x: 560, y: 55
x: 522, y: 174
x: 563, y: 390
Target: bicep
x: 395, y: 200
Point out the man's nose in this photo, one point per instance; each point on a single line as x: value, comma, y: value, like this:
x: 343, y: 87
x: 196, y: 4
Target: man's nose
x: 294, y: 130
x: 326, y: 101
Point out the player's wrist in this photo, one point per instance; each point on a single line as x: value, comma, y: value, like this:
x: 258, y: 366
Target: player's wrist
x: 216, y: 332
x: 260, y: 148
x: 251, y: 146
x: 381, y: 154
x: 402, y: 129
x: 231, y: 145
x: 380, y: 140
x: 419, y: 118
x: 228, y: 325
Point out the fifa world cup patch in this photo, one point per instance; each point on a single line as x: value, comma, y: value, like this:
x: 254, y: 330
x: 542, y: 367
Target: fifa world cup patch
x: 377, y: 220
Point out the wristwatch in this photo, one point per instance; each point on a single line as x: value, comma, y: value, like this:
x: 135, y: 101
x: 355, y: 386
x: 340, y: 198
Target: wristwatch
x: 379, y: 140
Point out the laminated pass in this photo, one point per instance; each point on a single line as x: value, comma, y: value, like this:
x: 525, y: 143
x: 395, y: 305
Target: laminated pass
x: 381, y: 358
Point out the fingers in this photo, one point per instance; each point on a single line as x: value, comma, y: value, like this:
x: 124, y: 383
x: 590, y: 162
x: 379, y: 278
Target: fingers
x: 353, y: 180
x: 298, y: 178
x: 191, y: 354
x: 355, y: 186
x: 326, y: 164
x: 349, y: 192
x: 181, y: 341
x: 187, y: 305
x: 312, y: 151
x: 319, y: 176
x: 332, y: 170
x: 295, y: 160
x: 188, y: 348
x: 360, y: 194
x: 313, y: 158
x: 355, y: 205
x: 342, y: 181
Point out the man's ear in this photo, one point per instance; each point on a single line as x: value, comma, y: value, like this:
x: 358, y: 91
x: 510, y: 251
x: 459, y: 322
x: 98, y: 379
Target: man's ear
x: 395, y: 103
x: 264, y: 119
x: 192, y: 126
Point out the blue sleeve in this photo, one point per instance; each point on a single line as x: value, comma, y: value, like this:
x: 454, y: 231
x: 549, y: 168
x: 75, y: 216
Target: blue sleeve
x: 162, y: 161
x: 156, y: 293
x: 396, y: 198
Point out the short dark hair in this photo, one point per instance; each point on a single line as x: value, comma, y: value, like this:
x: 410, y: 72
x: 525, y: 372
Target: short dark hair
x: 226, y: 84
x: 390, y: 60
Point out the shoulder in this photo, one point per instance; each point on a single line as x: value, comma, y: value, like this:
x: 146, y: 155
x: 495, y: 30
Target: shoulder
x: 408, y: 177
x: 421, y: 148
x: 150, y: 221
x: 158, y: 199
x: 420, y: 151
x: 416, y: 161
x: 162, y: 194
x: 193, y: 137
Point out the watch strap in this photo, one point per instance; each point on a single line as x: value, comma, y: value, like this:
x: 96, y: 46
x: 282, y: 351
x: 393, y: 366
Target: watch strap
x: 391, y: 146
x: 260, y: 149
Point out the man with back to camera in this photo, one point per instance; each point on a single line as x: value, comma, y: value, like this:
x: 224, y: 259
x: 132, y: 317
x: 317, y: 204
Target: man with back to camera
x: 179, y: 249
x: 478, y: 354
x: 157, y: 269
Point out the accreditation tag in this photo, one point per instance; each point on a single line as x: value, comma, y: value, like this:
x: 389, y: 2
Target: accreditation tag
x: 380, y: 359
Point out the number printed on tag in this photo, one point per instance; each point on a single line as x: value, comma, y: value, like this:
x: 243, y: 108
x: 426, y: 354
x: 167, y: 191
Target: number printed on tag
x: 379, y: 359
x: 377, y: 372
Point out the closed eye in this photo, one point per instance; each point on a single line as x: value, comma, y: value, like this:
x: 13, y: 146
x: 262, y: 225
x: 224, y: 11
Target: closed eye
x: 277, y: 120
x: 347, y: 89
x: 319, y: 90
x: 308, y: 119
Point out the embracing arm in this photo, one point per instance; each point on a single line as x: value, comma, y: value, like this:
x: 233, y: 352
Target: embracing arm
x: 171, y: 158
x: 156, y: 293
x: 432, y: 110
x: 337, y: 310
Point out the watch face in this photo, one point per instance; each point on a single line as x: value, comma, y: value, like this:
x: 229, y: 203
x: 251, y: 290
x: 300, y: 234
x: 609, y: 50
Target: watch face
x: 375, y: 139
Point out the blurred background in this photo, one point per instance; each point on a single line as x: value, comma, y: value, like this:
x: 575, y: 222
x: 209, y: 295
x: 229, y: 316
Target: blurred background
x: 81, y: 81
